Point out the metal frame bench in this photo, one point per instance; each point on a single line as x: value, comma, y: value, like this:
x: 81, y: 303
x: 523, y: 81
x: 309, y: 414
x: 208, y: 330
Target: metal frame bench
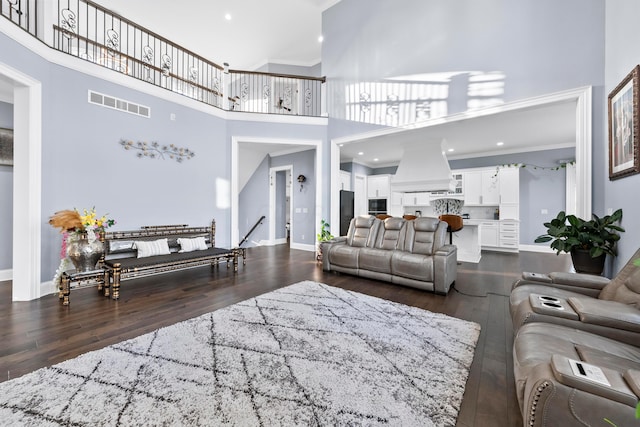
x: 121, y: 260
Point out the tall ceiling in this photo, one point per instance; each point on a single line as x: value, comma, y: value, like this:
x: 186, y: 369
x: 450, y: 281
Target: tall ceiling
x: 259, y: 31
x: 286, y: 32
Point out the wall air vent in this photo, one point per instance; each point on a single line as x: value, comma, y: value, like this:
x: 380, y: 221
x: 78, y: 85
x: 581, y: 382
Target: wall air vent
x: 119, y: 104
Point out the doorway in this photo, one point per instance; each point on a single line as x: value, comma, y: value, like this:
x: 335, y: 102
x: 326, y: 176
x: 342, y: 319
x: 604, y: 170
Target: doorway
x: 27, y: 163
x: 582, y: 97
x: 278, y: 144
x: 280, y: 205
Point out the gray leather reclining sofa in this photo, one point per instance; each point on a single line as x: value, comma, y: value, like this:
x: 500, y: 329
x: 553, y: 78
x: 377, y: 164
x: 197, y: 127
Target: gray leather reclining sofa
x: 565, y: 319
x: 406, y: 252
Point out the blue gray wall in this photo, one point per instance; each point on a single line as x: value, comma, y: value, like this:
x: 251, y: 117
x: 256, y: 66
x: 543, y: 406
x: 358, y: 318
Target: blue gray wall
x: 622, y: 55
x: 84, y: 165
x: 372, y: 41
x: 253, y: 202
x: 6, y: 197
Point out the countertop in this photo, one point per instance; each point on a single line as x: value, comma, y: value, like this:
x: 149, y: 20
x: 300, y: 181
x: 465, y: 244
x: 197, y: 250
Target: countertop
x: 474, y: 221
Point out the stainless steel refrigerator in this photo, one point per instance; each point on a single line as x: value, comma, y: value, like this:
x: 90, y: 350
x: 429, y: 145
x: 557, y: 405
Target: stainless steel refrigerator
x: 346, y: 210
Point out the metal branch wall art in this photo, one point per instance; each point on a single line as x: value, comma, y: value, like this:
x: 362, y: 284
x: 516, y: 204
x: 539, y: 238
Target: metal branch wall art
x: 153, y: 150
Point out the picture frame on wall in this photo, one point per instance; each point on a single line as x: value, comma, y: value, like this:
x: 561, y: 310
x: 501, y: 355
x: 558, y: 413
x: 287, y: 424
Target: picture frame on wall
x: 624, y: 126
x: 6, y: 146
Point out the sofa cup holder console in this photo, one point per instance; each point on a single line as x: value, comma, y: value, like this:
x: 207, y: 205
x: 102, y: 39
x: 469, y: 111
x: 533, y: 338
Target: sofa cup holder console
x: 552, y: 306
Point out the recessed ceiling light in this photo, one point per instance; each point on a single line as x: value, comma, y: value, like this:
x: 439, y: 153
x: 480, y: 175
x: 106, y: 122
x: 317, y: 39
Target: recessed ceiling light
x: 320, y: 39
x: 451, y: 150
x: 227, y: 16
x: 499, y: 143
x: 375, y: 160
x: 341, y: 145
x: 360, y: 153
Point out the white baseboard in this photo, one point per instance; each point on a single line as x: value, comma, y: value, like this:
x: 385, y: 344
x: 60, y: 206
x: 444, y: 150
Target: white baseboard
x: 47, y: 288
x: 537, y: 248
x: 6, y: 275
x: 303, y: 247
x: 280, y: 241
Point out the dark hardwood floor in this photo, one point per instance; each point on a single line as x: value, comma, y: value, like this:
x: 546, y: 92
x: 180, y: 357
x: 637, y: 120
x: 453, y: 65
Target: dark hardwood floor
x: 41, y: 333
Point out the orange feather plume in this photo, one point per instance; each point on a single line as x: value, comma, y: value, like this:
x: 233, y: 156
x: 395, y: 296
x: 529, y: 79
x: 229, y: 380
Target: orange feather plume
x: 66, y: 220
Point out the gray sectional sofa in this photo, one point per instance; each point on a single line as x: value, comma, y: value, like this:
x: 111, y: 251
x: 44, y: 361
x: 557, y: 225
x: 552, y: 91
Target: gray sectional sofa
x: 406, y: 252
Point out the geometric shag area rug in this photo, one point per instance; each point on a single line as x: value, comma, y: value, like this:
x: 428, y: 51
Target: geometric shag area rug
x: 304, y: 355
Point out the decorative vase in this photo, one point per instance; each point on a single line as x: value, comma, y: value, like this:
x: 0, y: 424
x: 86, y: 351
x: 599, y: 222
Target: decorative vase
x: 584, y: 263
x: 84, y: 254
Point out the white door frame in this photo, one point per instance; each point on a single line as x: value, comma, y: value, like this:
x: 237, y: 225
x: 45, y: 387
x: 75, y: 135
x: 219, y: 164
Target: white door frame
x: 27, y: 187
x: 235, y: 193
x: 272, y: 202
x: 583, y: 98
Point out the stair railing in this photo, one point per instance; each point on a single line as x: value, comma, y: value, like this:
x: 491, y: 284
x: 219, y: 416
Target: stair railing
x: 245, y: 238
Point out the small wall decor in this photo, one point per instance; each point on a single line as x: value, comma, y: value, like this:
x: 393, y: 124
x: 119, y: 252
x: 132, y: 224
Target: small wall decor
x: 624, y: 126
x: 6, y: 147
x: 154, y: 150
x: 301, y: 180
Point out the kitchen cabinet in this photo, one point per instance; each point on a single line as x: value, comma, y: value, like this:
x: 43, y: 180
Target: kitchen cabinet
x: 416, y: 199
x: 458, y: 191
x: 509, y: 184
x: 396, y: 204
x: 481, y: 188
x: 345, y: 180
x: 378, y: 186
x: 509, y: 235
x: 509, y: 193
x: 489, y: 234
x: 458, y: 177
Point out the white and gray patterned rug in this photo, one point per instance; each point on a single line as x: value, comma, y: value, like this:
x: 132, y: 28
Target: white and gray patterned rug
x: 304, y: 355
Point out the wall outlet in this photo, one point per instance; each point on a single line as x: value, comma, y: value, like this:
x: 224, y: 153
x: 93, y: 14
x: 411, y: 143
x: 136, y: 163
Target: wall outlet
x: 544, y: 211
x: 302, y: 237
x: 609, y: 211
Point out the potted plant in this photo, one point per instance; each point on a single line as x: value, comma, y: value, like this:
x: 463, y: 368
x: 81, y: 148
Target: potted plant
x: 324, y: 236
x: 588, y: 242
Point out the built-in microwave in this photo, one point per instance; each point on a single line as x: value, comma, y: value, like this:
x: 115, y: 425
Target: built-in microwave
x: 377, y: 206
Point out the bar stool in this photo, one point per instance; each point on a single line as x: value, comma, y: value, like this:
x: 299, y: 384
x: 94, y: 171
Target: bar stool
x: 454, y: 224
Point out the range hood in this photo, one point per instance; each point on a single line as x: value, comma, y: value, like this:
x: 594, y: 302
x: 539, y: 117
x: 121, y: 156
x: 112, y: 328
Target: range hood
x: 423, y: 167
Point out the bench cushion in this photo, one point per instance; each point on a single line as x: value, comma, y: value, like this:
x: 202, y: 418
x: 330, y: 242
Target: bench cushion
x: 132, y: 262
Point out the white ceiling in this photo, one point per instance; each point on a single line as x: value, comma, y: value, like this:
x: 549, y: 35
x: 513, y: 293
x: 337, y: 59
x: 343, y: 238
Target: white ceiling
x: 259, y: 32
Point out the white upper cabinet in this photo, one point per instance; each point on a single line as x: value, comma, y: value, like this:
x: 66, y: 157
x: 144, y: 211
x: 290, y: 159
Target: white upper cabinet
x: 345, y: 180
x: 378, y: 186
x: 473, y: 188
x: 481, y: 188
x: 490, y: 187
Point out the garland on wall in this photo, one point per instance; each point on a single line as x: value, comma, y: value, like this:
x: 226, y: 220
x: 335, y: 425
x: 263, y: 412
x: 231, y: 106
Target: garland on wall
x: 561, y: 165
x: 154, y: 150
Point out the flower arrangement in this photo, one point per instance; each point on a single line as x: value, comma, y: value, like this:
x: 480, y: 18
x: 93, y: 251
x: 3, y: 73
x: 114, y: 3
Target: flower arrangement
x: 74, y: 224
x: 72, y: 221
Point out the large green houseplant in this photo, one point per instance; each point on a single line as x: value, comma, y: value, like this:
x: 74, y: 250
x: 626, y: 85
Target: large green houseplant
x: 588, y: 242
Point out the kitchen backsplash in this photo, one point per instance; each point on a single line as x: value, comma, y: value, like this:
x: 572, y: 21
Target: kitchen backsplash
x: 475, y: 212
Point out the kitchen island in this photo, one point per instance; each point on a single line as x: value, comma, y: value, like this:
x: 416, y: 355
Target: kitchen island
x: 468, y: 241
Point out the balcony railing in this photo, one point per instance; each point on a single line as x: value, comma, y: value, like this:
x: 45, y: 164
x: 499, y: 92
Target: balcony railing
x: 23, y: 13
x: 275, y: 94
x: 90, y: 32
